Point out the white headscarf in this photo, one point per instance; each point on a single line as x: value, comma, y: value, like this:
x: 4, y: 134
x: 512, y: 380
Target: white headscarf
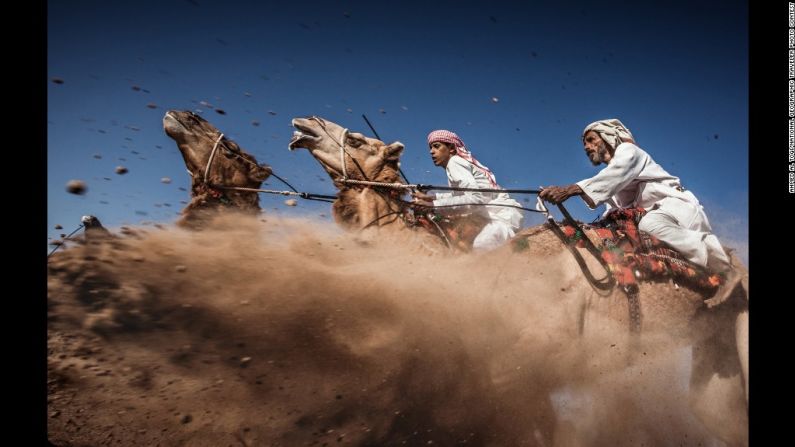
x: 612, y: 131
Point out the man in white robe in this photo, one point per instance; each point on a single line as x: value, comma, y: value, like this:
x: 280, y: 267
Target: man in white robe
x: 464, y: 171
x: 633, y: 179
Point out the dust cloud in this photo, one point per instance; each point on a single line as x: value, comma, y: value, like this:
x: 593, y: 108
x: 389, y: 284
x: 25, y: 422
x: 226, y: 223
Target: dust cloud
x: 285, y: 332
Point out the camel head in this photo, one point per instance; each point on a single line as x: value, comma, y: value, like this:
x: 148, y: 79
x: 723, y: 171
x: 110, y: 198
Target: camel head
x: 365, y: 158
x: 196, y: 137
x: 231, y: 166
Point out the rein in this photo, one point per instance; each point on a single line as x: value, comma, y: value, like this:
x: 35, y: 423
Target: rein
x: 604, y: 284
x: 219, y: 143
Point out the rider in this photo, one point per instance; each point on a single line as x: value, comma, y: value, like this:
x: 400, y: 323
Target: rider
x: 632, y: 178
x: 464, y: 171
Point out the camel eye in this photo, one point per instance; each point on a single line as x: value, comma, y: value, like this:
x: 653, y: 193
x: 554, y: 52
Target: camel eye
x: 354, y: 141
x: 231, y: 146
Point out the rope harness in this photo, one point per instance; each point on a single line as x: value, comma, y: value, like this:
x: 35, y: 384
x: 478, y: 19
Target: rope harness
x: 212, y: 189
x: 64, y: 240
x: 608, y: 282
x: 212, y: 155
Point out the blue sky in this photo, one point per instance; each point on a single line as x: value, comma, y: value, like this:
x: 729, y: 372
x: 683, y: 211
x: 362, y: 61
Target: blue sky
x: 676, y: 74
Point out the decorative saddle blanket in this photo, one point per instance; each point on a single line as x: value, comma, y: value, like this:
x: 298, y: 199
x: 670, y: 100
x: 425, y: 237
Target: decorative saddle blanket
x: 632, y: 255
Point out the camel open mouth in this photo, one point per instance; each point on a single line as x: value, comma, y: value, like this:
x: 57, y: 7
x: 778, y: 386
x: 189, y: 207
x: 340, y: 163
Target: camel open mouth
x: 172, y: 124
x: 302, y: 136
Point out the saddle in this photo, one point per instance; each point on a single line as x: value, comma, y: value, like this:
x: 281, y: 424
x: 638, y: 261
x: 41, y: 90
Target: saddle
x: 457, y: 230
x: 632, y: 255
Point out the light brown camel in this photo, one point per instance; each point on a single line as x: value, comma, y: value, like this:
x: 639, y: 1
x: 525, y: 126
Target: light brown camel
x: 719, y: 336
x: 366, y: 159
x: 360, y: 207
x: 230, y: 166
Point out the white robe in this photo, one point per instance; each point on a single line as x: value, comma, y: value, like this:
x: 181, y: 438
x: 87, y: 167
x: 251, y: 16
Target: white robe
x: 675, y: 216
x: 505, y: 221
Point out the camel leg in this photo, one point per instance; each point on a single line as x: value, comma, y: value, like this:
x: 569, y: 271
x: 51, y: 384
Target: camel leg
x: 722, y: 411
x: 741, y: 323
x: 741, y: 334
x: 717, y: 400
x: 544, y: 421
x: 718, y: 396
x: 582, y: 308
x: 537, y: 421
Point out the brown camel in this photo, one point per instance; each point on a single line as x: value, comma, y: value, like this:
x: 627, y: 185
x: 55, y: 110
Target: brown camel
x: 719, y: 336
x: 366, y: 159
x: 230, y: 167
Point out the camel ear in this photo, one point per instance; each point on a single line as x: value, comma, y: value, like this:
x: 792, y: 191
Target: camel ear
x: 392, y: 152
x: 232, y: 146
x: 260, y: 173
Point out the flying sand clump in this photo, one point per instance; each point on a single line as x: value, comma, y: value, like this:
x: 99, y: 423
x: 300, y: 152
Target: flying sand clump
x: 77, y: 187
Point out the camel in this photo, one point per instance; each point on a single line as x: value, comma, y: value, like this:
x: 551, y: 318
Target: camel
x: 213, y: 174
x: 359, y: 208
x: 719, y: 336
x: 356, y: 207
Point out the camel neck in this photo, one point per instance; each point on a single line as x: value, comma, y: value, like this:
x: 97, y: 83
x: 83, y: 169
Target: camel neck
x: 367, y: 206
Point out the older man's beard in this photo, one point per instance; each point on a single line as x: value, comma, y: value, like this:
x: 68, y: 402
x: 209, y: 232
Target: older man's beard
x: 598, y: 156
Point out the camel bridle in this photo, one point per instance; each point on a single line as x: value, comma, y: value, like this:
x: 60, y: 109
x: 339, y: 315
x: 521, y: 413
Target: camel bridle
x: 374, y: 186
x: 217, y: 142
x: 343, y: 151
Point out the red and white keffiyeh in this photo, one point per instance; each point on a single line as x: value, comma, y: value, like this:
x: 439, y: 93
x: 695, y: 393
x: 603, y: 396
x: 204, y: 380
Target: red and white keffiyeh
x: 445, y: 136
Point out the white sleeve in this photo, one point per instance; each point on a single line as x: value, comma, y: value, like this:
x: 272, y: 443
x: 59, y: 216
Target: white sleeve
x: 442, y: 195
x: 625, y: 166
x: 609, y: 206
x: 458, y: 171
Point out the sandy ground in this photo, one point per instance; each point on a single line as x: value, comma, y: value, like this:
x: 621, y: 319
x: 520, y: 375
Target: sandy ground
x: 284, y: 333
